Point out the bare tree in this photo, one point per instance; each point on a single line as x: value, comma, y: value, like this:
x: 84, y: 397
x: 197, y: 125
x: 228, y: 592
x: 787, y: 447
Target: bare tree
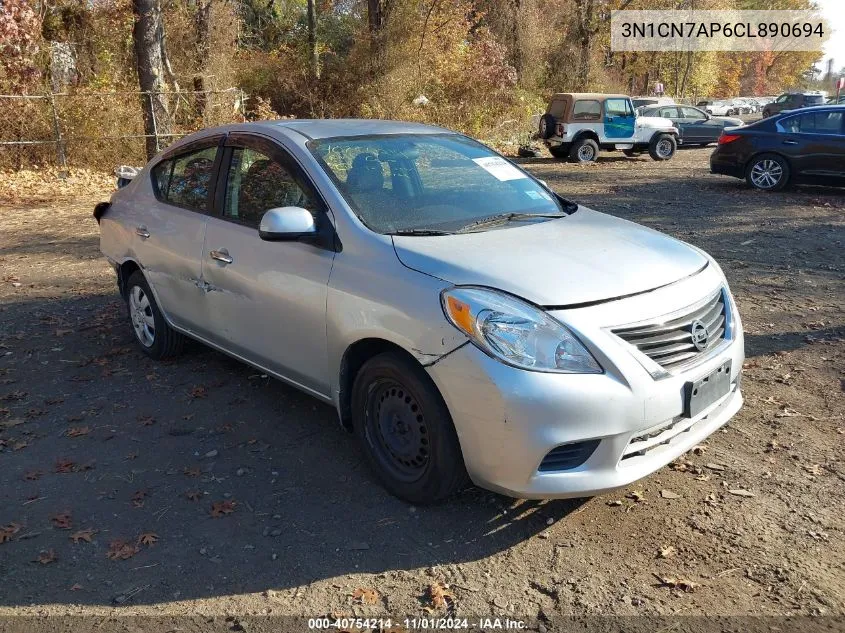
x: 313, y: 55
x: 147, y: 35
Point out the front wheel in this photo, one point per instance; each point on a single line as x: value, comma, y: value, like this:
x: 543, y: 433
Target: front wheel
x: 662, y: 147
x: 406, y: 430
x: 152, y: 333
x: 768, y: 172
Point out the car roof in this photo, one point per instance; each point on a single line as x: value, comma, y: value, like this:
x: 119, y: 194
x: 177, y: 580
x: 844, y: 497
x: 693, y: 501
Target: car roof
x: 326, y: 128
x: 588, y: 95
x: 829, y: 107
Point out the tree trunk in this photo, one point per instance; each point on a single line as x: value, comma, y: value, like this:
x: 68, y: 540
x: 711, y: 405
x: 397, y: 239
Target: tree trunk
x: 146, y: 34
x: 201, y: 33
x: 313, y: 55
x: 584, y: 10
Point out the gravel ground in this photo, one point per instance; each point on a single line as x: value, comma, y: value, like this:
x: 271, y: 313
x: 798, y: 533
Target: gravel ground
x: 201, y: 486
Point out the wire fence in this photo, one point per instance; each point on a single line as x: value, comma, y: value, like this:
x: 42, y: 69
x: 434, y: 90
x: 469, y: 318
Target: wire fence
x: 102, y: 129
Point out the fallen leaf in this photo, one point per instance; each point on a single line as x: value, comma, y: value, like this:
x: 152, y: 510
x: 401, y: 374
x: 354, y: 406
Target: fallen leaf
x: 683, y: 584
x: 62, y: 521
x: 76, y: 587
x: 668, y: 494
x: 77, y: 431
x: 615, y: 502
x: 366, y: 596
x: 741, y: 492
x: 146, y: 420
x: 716, y: 467
x: 11, y: 423
x: 83, y: 535
x: 32, y: 475
x: 8, y: 531
x: 222, y: 508
x: 440, y: 597
x: 193, y: 495
x: 121, y: 550
x: 46, y: 557
x: 148, y: 538
x: 198, y: 391
x: 64, y: 466
x: 636, y: 496
x: 191, y: 472
x: 667, y: 552
x: 138, y: 498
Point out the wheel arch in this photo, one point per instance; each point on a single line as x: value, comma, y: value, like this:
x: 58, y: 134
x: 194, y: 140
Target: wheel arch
x: 761, y: 153
x: 591, y: 134
x: 124, y: 272
x: 353, y: 358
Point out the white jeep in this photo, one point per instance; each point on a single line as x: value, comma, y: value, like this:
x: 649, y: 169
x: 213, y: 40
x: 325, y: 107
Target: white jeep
x: 577, y: 125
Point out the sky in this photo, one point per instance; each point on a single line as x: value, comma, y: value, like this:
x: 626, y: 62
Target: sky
x: 834, y: 12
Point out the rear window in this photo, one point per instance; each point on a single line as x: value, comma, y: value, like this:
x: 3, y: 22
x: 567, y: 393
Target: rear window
x: 558, y: 108
x: 587, y: 110
x: 813, y: 99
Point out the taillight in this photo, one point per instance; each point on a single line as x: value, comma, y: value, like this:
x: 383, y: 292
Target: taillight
x: 559, y: 129
x: 728, y: 138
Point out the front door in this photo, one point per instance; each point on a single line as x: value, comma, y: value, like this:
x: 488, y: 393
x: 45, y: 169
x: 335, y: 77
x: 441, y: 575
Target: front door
x: 619, y: 119
x: 170, y: 231
x: 814, y: 142
x: 266, y: 300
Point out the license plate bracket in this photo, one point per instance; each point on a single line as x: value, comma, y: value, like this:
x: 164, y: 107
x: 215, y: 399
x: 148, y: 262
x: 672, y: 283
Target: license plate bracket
x: 701, y: 393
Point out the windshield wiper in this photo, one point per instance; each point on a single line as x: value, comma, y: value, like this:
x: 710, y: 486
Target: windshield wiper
x: 422, y: 232
x: 501, y: 218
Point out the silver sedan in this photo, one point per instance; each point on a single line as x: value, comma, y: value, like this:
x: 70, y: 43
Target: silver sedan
x: 467, y: 322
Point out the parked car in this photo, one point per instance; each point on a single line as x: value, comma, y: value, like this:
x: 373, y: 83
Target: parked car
x: 463, y: 319
x: 798, y: 146
x: 740, y: 106
x: 577, y: 125
x: 835, y: 101
x: 719, y: 108
x: 793, y: 101
x: 695, y: 126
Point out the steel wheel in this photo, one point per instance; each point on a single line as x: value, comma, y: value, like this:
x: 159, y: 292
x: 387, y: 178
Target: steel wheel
x: 141, y: 314
x: 398, y: 429
x: 664, y: 148
x: 586, y: 153
x: 766, y: 174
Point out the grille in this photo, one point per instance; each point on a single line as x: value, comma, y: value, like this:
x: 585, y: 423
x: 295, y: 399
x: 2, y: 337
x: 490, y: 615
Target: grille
x: 568, y: 456
x: 670, y: 343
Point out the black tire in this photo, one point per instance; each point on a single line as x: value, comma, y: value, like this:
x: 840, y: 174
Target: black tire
x: 730, y: 112
x: 547, y: 126
x: 559, y: 151
x: 584, y: 150
x: 631, y: 153
x: 662, y: 146
x: 406, y: 431
x: 164, y: 341
x: 767, y: 114
x: 765, y: 169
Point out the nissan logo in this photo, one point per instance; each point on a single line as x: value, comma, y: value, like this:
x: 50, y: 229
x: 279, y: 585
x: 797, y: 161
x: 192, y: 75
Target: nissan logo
x: 699, y: 334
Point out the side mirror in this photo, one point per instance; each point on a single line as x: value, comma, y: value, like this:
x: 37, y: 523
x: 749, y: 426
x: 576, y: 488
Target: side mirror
x: 287, y: 224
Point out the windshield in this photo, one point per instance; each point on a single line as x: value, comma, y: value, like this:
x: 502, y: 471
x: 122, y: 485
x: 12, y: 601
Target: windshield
x: 419, y: 182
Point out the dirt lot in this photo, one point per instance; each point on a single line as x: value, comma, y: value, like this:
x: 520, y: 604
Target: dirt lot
x: 113, y: 467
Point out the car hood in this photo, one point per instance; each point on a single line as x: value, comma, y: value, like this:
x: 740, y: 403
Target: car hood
x: 654, y: 121
x: 586, y: 257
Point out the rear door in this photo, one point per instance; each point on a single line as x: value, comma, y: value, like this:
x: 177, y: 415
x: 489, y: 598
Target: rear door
x: 619, y: 119
x: 700, y: 128
x: 815, y: 143
x: 266, y: 301
x: 169, y: 234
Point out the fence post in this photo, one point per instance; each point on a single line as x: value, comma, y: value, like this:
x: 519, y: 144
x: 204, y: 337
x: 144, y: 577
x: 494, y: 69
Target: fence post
x: 57, y: 131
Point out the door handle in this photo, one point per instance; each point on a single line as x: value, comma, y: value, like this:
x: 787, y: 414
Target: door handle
x: 142, y: 232
x: 221, y: 256
x: 788, y: 142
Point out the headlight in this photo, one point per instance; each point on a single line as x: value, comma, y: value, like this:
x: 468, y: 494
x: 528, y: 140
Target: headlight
x: 515, y: 332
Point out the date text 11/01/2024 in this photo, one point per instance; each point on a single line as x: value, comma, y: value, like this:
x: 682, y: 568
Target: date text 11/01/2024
x: 422, y: 623
x: 719, y: 29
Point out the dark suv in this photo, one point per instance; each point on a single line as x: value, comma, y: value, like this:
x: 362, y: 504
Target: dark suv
x: 792, y: 101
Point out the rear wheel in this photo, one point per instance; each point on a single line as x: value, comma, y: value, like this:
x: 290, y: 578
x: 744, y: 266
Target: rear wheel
x: 406, y: 430
x: 662, y: 147
x: 768, y: 172
x: 152, y: 333
x: 584, y: 150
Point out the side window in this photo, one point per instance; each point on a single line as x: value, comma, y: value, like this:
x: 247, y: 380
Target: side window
x: 256, y: 184
x: 616, y: 107
x: 782, y: 99
x: 586, y: 111
x: 819, y: 123
x: 791, y: 125
x: 184, y: 180
x: 692, y: 113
